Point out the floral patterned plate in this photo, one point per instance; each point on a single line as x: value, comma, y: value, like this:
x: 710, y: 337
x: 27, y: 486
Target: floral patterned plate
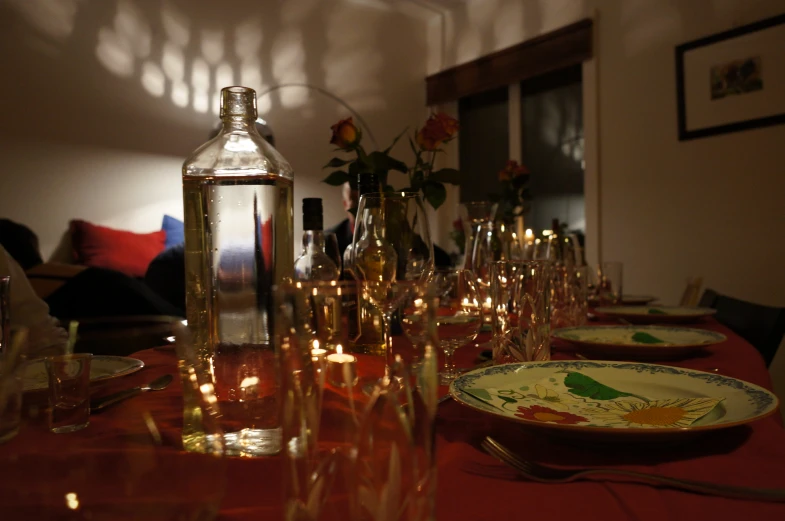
x: 613, y: 401
x: 638, y: 342
x: 656, y: 314
x: 101, y: 368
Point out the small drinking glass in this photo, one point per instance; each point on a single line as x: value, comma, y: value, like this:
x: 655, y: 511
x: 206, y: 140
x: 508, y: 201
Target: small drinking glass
x: 520, y: 295
x: 69, y: 397
x: 609, y: 289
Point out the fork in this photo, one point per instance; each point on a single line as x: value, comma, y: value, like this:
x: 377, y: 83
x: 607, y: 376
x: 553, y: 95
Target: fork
x: 546, y: 474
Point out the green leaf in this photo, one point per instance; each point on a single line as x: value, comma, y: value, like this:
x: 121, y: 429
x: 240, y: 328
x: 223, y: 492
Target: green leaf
x: 336, y: 178
x: 382, y: 162
x: 655, y: 311
x: 399, y: 136
x: 482, y: 394
x: 434, y: 193
x: 446, y: 175
x: 337, y: 162
x: 506, y: 398
x: 582, y: 385
x: 645, y: 338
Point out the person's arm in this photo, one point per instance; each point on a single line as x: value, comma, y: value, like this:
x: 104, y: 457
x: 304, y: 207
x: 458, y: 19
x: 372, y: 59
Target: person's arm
x: 29, y: 311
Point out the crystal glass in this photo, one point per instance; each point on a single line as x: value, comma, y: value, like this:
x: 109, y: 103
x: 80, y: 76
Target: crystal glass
x: 69, y: 392
x: 520, y: 293
x: 5, y: 312
x: 473, y: 215
x: 609, y: 287
x: 392, y: 252
x: 496, y: 241
x: 353, y: 452
x: 569, y: 296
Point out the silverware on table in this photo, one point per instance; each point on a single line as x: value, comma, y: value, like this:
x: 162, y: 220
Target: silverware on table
x: 546, y: 474
x: 158, y: 384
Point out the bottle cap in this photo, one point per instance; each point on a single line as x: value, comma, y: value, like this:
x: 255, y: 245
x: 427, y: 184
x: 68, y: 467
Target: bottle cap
x: 238, y: 101
x: 312, y: 213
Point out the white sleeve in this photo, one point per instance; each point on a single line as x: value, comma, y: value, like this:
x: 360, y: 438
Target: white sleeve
x: 28, y: 310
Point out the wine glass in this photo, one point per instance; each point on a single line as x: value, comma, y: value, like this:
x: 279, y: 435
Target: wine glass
x: 458, y: 315
x: 392, y: 252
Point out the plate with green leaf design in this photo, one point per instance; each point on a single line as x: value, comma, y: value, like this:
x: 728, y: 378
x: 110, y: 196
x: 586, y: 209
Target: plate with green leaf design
x: 656, y: 314
x: 613, y: 400
x: 637, y: 342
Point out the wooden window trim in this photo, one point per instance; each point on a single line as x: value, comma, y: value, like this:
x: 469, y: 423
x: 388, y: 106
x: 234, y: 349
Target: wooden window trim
x: 561, y: 48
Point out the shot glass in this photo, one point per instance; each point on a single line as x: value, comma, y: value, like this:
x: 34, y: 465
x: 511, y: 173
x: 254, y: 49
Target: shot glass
x: 69, y: 397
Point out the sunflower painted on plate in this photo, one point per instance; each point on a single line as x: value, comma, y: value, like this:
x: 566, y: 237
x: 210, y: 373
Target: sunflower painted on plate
x: 548, y: 415
x: 674, y: 412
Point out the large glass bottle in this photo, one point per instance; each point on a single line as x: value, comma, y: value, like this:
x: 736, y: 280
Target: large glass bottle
x: 237, y: 192
x: 314, y: 263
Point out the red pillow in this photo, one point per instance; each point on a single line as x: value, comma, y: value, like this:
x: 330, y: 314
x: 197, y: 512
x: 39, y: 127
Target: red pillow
x: 123, y: 251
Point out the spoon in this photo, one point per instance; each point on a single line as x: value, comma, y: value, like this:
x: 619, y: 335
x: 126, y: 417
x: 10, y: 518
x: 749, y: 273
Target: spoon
x: 158, y: 384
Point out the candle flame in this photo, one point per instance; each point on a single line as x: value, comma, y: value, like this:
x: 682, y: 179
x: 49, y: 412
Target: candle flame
x: 315, y: 343
x: 339, y: 349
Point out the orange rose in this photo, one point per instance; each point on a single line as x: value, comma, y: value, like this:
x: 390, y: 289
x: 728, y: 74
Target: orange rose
x: 345, y: 135
x: 437, y: 130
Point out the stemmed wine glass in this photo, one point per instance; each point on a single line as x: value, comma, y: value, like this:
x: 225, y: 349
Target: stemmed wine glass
x: 392, y: 252
x: 458, y: 315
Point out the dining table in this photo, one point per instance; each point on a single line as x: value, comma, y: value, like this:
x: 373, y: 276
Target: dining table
x: 471, y: 485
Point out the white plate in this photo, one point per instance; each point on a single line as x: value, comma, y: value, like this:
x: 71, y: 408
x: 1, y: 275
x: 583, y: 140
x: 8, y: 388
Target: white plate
x: 742, y: 402
x: 101, y: 368
x: 638, y: 342
x: 656, y: 314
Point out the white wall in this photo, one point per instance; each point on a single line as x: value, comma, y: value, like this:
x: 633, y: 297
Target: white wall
x: 710, y: 207
x: 103, y: 99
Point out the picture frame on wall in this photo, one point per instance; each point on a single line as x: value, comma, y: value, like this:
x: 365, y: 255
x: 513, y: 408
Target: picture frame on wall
x: 732, y: 81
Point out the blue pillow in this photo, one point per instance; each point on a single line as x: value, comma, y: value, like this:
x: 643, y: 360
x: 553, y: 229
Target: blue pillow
x: 175, y: 231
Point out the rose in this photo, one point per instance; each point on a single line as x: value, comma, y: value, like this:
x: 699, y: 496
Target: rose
x: 512, y: 170
x: 345, y: 135
x: 438, y: 129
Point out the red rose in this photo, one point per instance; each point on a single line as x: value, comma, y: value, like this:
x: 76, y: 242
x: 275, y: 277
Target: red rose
x: 439, y: 129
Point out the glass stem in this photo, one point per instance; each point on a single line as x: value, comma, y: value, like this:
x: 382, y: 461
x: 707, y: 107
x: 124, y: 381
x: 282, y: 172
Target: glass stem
x: 388, y: 350
x: 449, y: 362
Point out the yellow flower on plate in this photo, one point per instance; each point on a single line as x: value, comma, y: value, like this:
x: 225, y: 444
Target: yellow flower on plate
x: 673, y: 412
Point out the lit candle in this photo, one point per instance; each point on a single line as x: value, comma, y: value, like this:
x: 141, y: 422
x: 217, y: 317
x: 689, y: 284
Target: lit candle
x: 341, y: 368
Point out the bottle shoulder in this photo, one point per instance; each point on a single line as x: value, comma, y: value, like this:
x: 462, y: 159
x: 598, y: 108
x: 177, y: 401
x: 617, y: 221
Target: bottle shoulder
x: 236, y: 154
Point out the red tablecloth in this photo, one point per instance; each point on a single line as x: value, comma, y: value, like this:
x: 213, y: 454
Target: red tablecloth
x: 752, y: 455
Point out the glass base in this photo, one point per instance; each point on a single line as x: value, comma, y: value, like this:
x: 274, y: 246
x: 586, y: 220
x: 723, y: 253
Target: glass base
x: 247, y: 443
x: 447, y: 378
x: 63, y: 429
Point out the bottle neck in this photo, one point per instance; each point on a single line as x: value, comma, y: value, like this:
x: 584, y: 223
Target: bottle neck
x: 313, y: 241
x: 235, y: 123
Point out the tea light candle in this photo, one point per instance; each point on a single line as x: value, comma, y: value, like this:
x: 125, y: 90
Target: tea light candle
x: 341, y: 368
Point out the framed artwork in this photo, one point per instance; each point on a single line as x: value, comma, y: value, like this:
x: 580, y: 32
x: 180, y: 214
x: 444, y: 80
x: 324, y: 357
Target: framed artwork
x: 732, y: 81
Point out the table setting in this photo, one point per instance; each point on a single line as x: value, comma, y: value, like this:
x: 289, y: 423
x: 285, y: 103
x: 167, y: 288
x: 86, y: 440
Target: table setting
x: 378, y: 386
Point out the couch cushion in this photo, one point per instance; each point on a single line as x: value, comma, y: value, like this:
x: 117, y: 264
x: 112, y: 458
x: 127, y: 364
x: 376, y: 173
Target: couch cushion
x: 119, y: 250
x: 175, y: 231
